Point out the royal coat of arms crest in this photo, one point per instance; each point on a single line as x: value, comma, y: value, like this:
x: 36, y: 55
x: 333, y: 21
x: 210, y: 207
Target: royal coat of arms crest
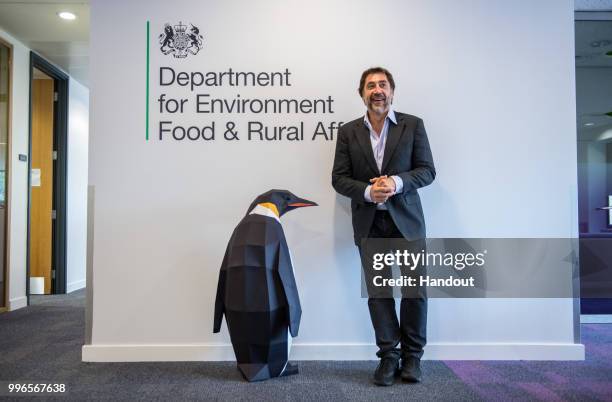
x: 179, y: 41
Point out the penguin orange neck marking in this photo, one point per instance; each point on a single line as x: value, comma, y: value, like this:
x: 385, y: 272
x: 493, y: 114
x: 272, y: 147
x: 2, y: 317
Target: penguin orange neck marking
x: 271, y: 207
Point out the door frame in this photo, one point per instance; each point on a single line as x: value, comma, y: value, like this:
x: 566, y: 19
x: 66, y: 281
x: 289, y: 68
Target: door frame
x: 7, y: 182
x: 60, y: 165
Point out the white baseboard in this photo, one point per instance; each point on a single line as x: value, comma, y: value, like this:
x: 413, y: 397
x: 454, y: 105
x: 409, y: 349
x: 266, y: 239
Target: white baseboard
x: 224, y: 352
x: 17, y: 303
x: 76, y: 285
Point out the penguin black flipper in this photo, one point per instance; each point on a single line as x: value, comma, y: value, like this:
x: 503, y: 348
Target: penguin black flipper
x: 285, y: 271
x: 220, y: 300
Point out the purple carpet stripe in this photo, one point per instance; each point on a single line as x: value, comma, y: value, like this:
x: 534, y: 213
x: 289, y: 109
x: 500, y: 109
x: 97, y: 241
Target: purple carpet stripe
x: 545, y: 380
x: 540, y: 392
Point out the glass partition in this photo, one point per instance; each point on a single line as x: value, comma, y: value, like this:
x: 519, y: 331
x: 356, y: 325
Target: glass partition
x: 594, y: 124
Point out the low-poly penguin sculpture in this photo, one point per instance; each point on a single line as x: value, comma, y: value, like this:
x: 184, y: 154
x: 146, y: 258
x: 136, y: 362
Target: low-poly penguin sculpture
x: 257, y: 291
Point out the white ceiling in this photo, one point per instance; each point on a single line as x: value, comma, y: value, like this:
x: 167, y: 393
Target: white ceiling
x: 36, y: 24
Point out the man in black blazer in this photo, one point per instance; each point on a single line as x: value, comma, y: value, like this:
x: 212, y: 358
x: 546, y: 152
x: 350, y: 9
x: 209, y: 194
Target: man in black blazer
x: 381, y: 160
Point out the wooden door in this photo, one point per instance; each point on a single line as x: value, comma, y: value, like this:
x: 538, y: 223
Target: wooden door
x: 41, y: 181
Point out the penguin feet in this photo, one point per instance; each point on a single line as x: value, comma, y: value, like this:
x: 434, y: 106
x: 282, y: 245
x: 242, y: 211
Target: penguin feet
x: 290, y: 369
x: 260, y: 371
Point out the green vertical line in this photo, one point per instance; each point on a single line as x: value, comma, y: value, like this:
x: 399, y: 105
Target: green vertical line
x: 147, y: 104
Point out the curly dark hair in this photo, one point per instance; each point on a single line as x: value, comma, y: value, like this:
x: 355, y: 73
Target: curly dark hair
x: 375, y: 70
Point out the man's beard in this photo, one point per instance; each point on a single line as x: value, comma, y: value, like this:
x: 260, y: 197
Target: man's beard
x: 381, y: 107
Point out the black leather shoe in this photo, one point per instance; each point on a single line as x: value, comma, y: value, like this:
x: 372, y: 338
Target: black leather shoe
x: 386, y: 370
x: 411, y: 369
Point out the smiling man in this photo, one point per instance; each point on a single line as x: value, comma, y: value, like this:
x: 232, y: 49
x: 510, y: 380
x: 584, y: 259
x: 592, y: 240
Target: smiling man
x: 381, y: 160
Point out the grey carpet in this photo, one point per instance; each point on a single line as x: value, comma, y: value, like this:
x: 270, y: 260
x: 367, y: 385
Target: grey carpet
x: 42, y: 343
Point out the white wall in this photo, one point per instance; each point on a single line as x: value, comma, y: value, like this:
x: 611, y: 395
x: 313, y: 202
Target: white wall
x: 76, y: 225
x: 499, y: 105
x: 18, y: 188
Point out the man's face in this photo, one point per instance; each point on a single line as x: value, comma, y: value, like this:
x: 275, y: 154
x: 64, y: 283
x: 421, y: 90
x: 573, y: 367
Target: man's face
x: 377, y: 93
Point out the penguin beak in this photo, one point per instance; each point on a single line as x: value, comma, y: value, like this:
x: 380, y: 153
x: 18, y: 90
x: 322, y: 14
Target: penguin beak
x: 300, y: 202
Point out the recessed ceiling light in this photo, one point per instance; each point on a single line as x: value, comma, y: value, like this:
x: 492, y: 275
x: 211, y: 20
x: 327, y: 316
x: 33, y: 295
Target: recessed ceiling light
x: 66, y: 15
x: 589, y: 124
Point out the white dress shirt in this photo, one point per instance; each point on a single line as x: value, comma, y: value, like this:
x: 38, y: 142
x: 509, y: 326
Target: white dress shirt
x: 378, y: 148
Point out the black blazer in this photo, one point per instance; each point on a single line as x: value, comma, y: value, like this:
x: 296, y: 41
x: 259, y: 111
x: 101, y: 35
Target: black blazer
x: 407, y: 155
